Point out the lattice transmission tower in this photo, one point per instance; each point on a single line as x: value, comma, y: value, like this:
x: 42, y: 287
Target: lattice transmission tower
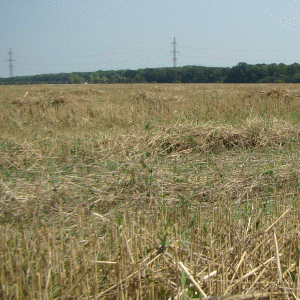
x: 10, y: 62
x: 174, y: 59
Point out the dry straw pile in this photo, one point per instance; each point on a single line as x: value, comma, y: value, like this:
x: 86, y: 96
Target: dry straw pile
x: 149, y: 192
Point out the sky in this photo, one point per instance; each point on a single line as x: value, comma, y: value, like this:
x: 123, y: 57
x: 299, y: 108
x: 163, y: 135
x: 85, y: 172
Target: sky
x: 62, y: 36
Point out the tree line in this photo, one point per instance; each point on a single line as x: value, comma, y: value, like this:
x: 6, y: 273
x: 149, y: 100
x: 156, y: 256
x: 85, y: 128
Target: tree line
x: 241, y: 73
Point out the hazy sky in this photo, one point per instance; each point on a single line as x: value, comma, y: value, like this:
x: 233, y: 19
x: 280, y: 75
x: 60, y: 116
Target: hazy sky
x: 53, y: 36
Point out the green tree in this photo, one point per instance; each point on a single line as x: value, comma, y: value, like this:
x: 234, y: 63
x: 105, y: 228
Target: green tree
x: 71, y: 79
x: 104, y: 79
x: 97, y: 79
x: 238, y: 74
x: 92, y: 78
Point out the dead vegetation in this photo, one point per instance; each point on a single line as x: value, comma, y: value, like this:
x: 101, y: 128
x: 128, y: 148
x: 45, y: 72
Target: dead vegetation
x: 281, y: 93
x: 43, y: 98
x: 255, y: 133
x: 145, y: 192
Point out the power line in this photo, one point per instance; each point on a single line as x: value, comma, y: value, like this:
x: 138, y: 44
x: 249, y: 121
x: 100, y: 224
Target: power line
x: 246, y: 50
x: 10, y: 62
x: 146, y: 51
x: 136, y: 57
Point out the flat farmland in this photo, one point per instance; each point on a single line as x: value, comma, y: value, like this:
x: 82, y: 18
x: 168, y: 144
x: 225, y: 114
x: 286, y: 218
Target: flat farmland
x: 144, y: 191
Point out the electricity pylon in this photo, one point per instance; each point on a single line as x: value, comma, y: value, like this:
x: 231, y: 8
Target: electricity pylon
x: 10, y: 62
x: 174, y: 59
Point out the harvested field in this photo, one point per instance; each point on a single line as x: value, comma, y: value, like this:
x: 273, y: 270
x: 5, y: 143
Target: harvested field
x: 172, y: 191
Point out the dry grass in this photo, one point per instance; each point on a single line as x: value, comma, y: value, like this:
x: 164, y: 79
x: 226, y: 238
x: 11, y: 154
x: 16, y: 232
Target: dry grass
x: 149, y: 192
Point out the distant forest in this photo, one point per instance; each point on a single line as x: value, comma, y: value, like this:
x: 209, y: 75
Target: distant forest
x: 241, y: 73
